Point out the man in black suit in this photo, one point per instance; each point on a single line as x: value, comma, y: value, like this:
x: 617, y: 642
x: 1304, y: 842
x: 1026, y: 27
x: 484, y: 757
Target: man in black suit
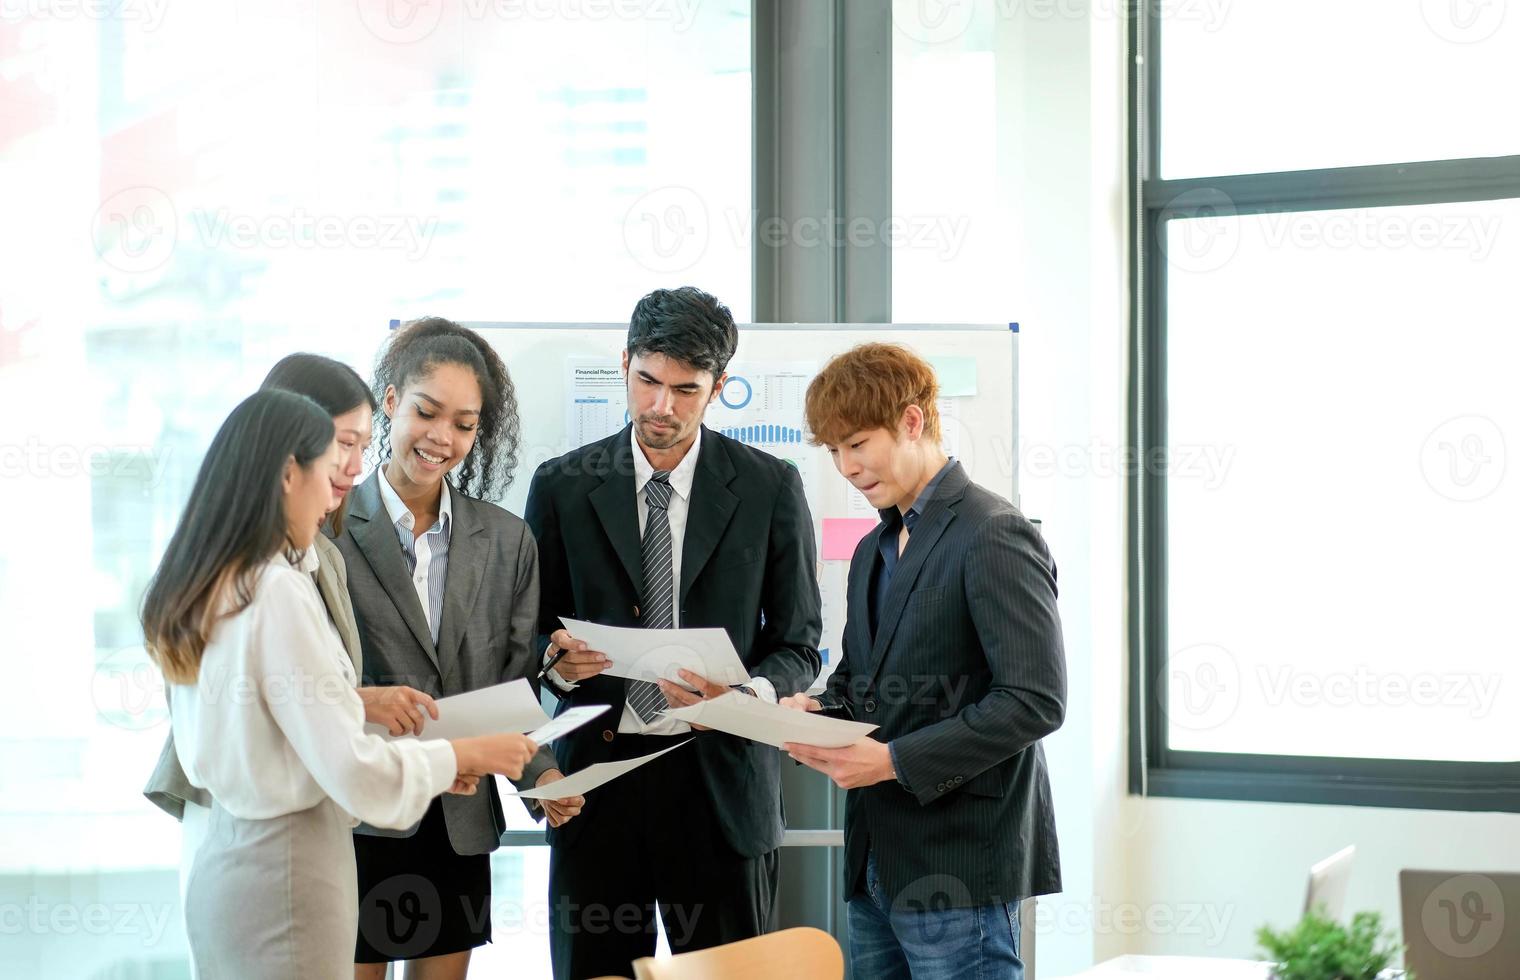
x: 669, y: 524
x: 952, y: 645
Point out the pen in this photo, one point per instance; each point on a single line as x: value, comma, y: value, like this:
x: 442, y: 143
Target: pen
x: 553, y: 661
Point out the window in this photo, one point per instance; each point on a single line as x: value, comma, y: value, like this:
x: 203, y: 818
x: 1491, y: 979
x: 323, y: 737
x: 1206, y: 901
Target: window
x: 1326, y: 300
x: 202, y: 190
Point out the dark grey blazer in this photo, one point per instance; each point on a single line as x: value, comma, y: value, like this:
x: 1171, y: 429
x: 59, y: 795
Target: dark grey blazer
x: 490, y: 613
x: 168, y: 787
x: 965, y: 675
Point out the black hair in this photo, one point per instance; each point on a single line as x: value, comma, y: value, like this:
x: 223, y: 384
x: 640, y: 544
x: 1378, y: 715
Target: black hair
x: 233, y: 523
x: 686, y: 324
x: 413, y: 352
x: 331, y: 384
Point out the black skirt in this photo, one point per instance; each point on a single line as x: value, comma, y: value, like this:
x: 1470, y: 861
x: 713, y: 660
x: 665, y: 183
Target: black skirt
x: 418, y: 898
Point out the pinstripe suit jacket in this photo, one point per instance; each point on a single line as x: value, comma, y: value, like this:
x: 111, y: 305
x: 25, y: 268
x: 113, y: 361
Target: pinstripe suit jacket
x: 168, y: 787
x: 964, y: 675
x: 490, y: 610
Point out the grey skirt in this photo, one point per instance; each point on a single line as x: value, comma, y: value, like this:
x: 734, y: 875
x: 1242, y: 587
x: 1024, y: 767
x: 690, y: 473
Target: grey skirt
x: 274, y: 898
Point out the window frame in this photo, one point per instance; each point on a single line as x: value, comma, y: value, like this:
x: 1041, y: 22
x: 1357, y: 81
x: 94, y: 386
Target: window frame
x: 1155, y: 769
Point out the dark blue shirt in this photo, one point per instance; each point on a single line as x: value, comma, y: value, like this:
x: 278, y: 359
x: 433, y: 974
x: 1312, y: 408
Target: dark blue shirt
x: 886, y: 543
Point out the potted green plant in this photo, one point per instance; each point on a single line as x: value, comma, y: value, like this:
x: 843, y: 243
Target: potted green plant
x: 1319, y: 948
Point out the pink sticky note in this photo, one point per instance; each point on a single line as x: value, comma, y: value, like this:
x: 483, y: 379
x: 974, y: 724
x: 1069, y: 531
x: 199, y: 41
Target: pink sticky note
x: 842, y: 534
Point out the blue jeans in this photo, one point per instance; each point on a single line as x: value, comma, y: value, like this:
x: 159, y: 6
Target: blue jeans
x: 903, y: 942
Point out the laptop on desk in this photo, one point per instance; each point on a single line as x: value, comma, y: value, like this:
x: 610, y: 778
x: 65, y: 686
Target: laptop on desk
x: 1461, y: 926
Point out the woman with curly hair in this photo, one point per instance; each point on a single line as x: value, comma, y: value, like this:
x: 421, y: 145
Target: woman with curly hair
x: 445, y: 591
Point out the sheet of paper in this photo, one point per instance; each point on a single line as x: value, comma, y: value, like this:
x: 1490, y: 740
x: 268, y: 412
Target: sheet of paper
x: 566, y: 722
x: 509, y: 707
x: 589, y: 778
x: 651, y: 655
x: 748, y: 717
x: 842, y: 534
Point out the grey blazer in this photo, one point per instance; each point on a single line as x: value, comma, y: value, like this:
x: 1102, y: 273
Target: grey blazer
x: 167, y: 787
x: 490, y: 612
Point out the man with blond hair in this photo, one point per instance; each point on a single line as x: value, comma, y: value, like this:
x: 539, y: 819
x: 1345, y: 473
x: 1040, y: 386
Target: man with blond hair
x: 952, y: 646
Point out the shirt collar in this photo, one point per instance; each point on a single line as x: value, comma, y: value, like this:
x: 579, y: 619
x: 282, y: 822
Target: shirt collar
x: 402, y: 516
x: 306, y: 561
x: 680, y: 478
x: 892, y: 514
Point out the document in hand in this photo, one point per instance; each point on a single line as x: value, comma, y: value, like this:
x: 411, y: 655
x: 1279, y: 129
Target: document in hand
x: 589, y: 778
x: 651, y: 655
x: 509, y: 707
x: 566, y: 722
x: 748, y: 717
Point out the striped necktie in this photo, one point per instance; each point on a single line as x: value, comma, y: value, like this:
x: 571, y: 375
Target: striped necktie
x: 646, y: 699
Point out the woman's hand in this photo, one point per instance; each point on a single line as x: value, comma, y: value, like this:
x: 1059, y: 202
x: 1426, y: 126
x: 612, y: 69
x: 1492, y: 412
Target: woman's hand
x: 400, y: 709
x: 801, y: 702
x: 464, y: 785
x: 504, y: 754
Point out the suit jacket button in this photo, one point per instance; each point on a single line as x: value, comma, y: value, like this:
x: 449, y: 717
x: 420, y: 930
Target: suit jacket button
x: 940, y: 787
x: 636, y: 612
x: 606, y: 734
x: 957, y: 780
x: 870, y: 705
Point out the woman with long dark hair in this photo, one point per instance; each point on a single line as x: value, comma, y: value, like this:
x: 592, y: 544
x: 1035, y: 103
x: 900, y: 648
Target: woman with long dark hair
x: 339, y: 390
x: 445, y: 590
x: 265, y: 715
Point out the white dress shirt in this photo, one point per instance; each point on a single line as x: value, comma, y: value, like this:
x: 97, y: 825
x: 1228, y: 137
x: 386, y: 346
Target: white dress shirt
x: 273, y: 723
x: 678, y: 507
x: 428, y: 550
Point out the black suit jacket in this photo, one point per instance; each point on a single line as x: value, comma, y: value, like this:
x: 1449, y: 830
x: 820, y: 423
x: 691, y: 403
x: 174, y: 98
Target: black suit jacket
x: 748, y: 564
x: 965, y: 675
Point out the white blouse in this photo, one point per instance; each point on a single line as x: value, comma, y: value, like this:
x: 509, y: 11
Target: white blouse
x: 273, y: 723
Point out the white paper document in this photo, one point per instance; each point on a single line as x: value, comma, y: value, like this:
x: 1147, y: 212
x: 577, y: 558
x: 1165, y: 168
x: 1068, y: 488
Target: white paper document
x: 589, y: 778
x: 509, y: 707
x: 651, y: 655
x: 566, y: 722
x: 748, y: 717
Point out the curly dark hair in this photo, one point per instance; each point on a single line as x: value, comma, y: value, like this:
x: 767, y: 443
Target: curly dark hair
x: 422, y: 345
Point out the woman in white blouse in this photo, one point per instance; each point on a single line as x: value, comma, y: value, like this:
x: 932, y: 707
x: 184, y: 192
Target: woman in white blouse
x: 265, y: 715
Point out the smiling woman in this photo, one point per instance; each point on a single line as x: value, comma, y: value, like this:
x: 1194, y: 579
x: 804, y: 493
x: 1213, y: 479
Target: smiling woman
x: 445, y: 592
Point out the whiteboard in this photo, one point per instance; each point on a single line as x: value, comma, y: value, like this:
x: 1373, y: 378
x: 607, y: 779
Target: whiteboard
x: 569, y: 392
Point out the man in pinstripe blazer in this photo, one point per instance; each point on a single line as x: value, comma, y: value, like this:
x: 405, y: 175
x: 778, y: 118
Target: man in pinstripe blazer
x: 952, y: 645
